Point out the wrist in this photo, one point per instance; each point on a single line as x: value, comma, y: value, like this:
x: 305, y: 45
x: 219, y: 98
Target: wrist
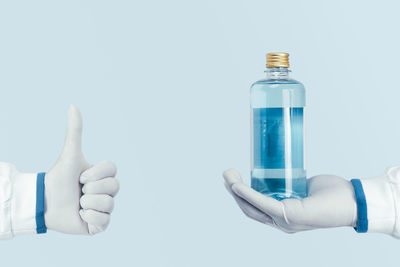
x: 40, y: 203
x: 361, y: 223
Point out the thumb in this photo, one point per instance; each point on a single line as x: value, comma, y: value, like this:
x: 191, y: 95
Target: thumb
x: 73, y: 138
x: 232, y: 177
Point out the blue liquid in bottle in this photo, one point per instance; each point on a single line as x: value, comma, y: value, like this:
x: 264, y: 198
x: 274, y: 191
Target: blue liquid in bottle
x: 277, y: 124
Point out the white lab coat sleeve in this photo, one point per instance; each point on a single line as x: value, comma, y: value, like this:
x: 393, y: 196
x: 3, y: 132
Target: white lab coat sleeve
x: 382, y: 195
x: 17, y: 202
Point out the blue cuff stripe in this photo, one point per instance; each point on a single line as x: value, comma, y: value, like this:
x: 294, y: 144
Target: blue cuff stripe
x: 40, y: 225
x: 362, y: 218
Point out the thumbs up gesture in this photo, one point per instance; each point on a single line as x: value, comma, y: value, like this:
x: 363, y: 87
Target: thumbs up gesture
x: 78, y: 195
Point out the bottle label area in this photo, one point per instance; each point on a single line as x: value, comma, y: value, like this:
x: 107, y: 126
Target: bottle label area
x: 278, y: 150
x: 278, y: 138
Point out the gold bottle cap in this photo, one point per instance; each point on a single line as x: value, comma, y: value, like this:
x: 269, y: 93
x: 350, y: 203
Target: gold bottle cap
x: 276, y: 60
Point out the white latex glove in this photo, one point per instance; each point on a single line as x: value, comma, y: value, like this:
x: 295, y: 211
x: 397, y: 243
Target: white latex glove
x: 67, y: 209
x: 330, y: 203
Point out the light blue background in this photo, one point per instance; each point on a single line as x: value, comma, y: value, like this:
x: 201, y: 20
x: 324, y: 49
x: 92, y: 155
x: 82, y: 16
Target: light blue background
x: 163, y: 88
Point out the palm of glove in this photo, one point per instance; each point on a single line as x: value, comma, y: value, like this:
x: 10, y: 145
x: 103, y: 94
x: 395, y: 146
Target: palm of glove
x: 330, y: 203
x: 78, y: 197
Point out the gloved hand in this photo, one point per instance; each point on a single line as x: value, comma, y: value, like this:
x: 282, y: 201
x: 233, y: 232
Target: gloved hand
x: 330, y: 203
x: 67, y: 209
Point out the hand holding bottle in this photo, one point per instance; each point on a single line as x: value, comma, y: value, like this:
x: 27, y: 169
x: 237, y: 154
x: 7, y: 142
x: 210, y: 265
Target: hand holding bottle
x: 330, y: 203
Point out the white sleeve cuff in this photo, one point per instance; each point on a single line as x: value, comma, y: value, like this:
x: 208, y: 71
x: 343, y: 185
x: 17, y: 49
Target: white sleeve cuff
x: 382, y: 195
x: 23, y: 206
x: 17, y: 202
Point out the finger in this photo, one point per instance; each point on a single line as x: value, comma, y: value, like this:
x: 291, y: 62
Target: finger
x: 109, y: 186
x: 249, y: 210
x: 97, y: 221
x: 73, y: 138
x: 232, y: 176
x: 270, y: 206
x: 99, y: 171
x: 99, y: 202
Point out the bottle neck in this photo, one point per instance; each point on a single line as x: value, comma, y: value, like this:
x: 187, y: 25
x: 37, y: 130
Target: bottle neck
x: 280, y: 73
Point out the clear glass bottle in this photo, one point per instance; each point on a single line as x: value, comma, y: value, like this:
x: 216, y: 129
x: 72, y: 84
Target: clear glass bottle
x: 277, y: 132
